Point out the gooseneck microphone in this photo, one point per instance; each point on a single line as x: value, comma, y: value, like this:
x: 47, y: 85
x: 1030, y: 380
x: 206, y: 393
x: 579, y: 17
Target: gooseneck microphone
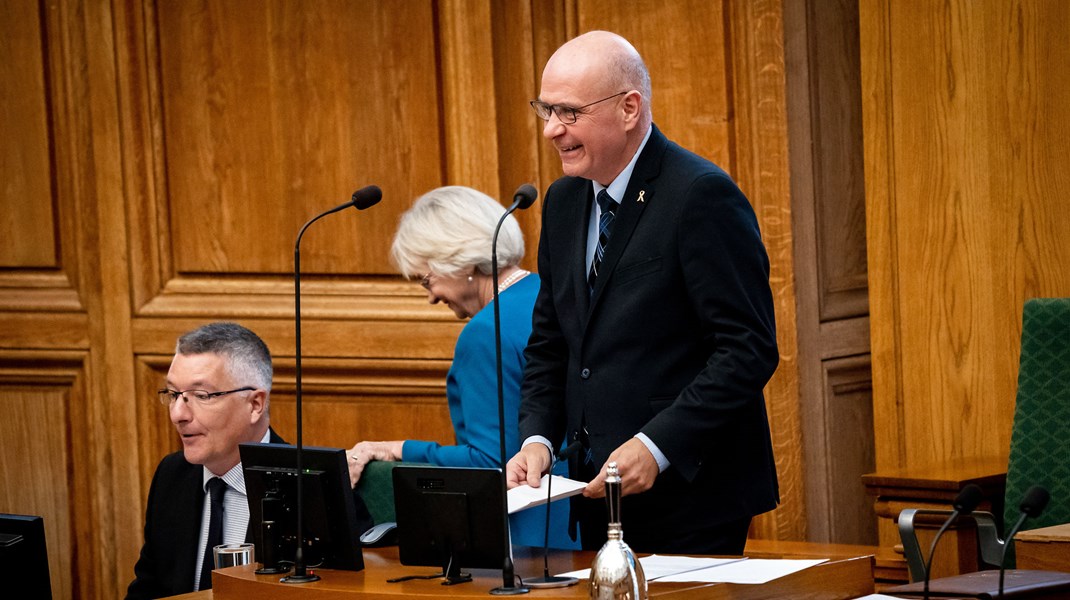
x: 964, y: 504
x: 1033, y: 503
x: 363, y: 198
x: 546, y: 581
x: 523, y: 198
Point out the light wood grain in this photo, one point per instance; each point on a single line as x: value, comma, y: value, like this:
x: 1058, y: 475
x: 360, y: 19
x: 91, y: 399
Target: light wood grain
x: 966, y: 201
x: 39, y: 392
x: 27, y: 232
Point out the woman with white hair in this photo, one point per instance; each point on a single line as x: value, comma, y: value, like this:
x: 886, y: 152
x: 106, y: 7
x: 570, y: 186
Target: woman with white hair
x: 444, y: 241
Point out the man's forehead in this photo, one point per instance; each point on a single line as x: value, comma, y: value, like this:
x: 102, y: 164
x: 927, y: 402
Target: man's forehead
x: 193, y: 369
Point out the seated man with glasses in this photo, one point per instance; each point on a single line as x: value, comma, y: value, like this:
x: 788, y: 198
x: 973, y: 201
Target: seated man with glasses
x: 217, y: 395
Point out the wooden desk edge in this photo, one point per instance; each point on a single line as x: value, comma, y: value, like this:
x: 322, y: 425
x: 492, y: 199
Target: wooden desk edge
x: 852, y: 577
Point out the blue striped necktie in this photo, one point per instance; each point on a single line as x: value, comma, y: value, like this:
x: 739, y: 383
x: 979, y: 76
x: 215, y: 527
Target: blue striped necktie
x: 605, y: 226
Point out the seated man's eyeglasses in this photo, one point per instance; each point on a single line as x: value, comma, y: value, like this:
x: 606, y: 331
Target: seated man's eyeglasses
x: 565, y: 114
x: 201, y: 397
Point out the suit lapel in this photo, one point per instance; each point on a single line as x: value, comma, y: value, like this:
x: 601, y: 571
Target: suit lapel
x: 187, y: 536
x: 577, y: 220
x: 639, y: 195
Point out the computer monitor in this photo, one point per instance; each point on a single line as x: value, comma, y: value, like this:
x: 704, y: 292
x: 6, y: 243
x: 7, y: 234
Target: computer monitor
x: 451, y: 518
x: 330, y: 523
x: 24, y: 555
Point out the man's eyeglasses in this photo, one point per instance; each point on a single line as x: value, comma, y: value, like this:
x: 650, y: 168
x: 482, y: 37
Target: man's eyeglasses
x: 565, y: 114
x: 200, y: 397
x: 425, y: 282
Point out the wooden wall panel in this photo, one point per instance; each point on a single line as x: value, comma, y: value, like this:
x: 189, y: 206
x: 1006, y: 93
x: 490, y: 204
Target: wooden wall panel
x: 184, y: 143
x: 33, y: 273
x: 692, y: 99
x: 828, y: 231
x: 33, y: 469
x: 271, y: 104
x: 760, y: 144
x: 42, y: 430
x: 966, y: 210
x: 847, y: 431
x: 27, y: 234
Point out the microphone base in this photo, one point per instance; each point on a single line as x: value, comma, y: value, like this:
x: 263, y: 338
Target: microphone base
x: 550, y: 582
x: 509, y: 591
x: 295, y: 578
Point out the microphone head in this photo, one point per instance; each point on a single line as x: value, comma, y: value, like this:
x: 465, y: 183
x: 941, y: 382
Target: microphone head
x: 567, y: 452
x: 367, y: 196
x: 525, y: 196
x: 968, y: 499
x: 1035, y: 500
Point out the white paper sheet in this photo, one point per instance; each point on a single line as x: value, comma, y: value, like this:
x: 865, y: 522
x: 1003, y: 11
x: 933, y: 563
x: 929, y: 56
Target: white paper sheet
x: 752, y: 570
x: 716, y: 570
x: 524, y: 496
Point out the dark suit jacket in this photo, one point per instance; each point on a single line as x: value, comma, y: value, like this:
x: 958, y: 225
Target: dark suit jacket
x: 677, y: 341
x: 173, y: 526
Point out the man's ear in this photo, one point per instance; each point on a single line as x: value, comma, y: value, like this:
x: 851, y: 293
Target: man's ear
x: 258, y: 404
x: 632, y: 105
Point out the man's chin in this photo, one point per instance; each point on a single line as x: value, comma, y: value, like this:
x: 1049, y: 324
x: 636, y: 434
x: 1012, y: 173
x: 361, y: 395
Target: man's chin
x: 192, y: 454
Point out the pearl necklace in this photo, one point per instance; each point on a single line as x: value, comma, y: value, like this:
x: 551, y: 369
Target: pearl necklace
x: 510, y: 280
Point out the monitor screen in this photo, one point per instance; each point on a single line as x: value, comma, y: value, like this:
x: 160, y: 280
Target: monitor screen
x: 451, y: 518
x: 329, y: 524
x: 24, y: 555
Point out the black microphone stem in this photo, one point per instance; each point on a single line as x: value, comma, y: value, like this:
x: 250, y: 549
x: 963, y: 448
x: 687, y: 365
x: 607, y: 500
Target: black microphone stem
x: 546, y: 533
x: 362, y: 198
x: 1035, y: 500
x: 508, y: 573
x: 300, y: 575
x: 524, y: 197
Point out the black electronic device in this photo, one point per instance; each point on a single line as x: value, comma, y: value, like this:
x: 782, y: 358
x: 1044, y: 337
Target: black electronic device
x: 24, y: 554
x: 450, y: 518
x: 330, y: 523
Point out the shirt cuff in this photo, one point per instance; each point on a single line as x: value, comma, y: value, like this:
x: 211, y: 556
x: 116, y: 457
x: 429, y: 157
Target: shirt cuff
x: 538, y: 439
x: 659, y: 456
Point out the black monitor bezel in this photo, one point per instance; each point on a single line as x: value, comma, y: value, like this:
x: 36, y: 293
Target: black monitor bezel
x: 421, y: 519
x: 327, y: 495
x: 27, y: 555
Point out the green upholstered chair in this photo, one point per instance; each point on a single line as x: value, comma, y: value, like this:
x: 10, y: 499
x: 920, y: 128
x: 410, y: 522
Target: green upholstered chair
x: 376, y: 487
x: 1040, y: 437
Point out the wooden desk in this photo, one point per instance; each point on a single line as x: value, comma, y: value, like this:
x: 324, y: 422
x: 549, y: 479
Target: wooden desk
x: 1046, y: 549
x: 834, y: 580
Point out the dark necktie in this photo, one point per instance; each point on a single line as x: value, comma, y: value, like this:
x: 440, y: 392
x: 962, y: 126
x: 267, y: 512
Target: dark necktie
x: 605, y: 225
x: 216, y: 488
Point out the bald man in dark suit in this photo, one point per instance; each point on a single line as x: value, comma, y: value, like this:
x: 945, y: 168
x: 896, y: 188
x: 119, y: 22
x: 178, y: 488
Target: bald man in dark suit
x: 653, y: 333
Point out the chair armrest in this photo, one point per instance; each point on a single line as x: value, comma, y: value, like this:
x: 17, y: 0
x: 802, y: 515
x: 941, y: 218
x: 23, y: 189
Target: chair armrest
x: 990, y: 545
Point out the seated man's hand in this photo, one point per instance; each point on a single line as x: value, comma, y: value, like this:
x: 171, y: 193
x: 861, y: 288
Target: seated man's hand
x: 528, y: 466
x: 637, y: 468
